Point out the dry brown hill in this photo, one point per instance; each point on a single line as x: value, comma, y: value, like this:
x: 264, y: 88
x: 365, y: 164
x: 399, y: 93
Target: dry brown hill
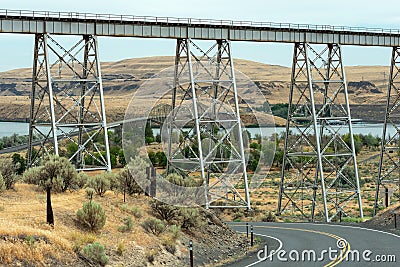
x: 367, y: 84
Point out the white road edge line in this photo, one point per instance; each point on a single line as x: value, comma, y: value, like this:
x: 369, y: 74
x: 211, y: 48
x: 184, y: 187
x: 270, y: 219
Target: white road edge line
x: 344, y: 226
x: 276, y: 251
x: 349, y: 226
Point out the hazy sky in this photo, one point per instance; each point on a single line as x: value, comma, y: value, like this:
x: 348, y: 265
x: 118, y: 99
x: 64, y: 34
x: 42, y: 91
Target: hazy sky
x: 16, y: 50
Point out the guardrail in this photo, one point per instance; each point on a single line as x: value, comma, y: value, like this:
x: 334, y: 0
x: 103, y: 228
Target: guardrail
x: 128, y: 18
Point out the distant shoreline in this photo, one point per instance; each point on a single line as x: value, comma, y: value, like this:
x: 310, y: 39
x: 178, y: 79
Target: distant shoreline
x: 23, y: 120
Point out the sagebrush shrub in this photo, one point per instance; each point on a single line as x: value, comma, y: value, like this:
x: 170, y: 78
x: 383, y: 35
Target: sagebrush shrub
x: 2, y: 185
x: 190, y: 218
x: 126, y: 177
x: 128, y: 225
x: 100, y: 183
x: 32, y: 175
x: 151, y: 255
x: 185, y: 217
x: 81, y: 180
x: 89, y: 193
x: 96, y: 252
x: 174, y: 231
x: 153, y: 226
x: 165, y: 211
x: 9, y: 173
x: 169, y: 244
x: 270, y: 217
x: 91, y: 216
x: 136, y: 211
x: 58, y: 172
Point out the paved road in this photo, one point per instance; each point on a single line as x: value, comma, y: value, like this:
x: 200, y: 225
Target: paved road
x: 334, y: 245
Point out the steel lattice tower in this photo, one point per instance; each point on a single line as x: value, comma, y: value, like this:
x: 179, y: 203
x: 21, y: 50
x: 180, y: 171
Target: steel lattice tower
x: 205, y: 111
x: 319, y: 173
x: 389, y: 163
x: 67, y: 104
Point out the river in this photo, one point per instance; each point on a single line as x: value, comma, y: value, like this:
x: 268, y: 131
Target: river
x: 21, y: 128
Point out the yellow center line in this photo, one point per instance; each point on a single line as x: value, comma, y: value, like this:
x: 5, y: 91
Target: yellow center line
x: 335, y: 262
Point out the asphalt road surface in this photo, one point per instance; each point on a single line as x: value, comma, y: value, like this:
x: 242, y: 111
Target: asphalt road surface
x: 307, y: 244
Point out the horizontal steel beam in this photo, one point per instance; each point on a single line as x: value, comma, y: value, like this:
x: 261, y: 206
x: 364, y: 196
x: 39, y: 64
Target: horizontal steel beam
x: 29, y: 22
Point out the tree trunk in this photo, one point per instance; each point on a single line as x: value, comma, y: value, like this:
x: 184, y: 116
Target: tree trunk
x: 50, y: 216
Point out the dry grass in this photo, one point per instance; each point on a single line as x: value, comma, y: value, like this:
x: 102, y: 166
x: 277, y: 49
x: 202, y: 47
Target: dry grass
x: 30, y: 244
x: 24, y: 216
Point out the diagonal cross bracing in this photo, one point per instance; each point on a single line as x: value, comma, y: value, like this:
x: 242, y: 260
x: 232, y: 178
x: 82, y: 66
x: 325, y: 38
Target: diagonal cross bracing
x: 67, y: 103
x: 319, y: 173
x: 388, y: 181
x: 205, y: 112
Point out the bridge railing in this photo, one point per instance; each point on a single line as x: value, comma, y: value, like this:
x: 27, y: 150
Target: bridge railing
x: 189, y: 21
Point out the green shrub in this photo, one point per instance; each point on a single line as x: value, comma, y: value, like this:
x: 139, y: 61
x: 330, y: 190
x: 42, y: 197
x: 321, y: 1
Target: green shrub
x: 161, y: 159
x: 96, y: 252
x: 58, y: 173
x: 126, y: 181
x: 352, y: 220
x: 121, y: 248
x: 128, y: 225
x: 89, y: 193
x: 136, y: 211
x: 100, y: 183
x: 2, y: 184
x: 32, y: 175
x: 190, y: 218
x: 166, y: 212
x: 174, y: 231
x: 19, y: 163
x: 153, y: 226
x: 270, y: 217
x: 169, y: 245
x: 151, y: 255
x: 81, y: 180
x: 9, y: 172
x: 91, y: 216
x: 238, y: 215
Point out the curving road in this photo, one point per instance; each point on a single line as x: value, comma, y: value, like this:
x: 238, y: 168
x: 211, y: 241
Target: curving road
x: 294, y: 244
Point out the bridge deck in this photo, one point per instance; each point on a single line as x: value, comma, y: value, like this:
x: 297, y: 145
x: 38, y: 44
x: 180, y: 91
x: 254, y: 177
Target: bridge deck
x: 67, y: 23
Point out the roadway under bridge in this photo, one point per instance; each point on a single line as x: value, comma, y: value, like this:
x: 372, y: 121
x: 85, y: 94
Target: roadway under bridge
x: 316, y: 180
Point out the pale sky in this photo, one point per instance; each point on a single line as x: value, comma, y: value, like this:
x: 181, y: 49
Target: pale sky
x: 16, y: 50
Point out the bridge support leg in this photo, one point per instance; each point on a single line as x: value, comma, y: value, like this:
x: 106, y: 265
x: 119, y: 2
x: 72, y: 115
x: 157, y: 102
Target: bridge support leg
x: 319, y: 173
x: 389, y: 163
x: 205, y: 114
x: 67, y: 104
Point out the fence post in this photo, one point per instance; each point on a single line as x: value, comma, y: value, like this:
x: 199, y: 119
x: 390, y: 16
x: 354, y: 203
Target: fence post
x: 247, y: 230
x: 191, y: 253
x: 251, y: 236
x: 387, y: 197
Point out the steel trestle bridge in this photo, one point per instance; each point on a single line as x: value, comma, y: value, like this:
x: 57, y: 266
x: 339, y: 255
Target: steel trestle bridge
x: 319, y: 174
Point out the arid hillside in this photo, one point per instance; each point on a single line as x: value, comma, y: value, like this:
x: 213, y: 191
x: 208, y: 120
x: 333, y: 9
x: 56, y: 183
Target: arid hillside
x: 366, y: 84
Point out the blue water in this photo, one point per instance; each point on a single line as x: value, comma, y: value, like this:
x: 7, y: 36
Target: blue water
x: 10, y: 128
